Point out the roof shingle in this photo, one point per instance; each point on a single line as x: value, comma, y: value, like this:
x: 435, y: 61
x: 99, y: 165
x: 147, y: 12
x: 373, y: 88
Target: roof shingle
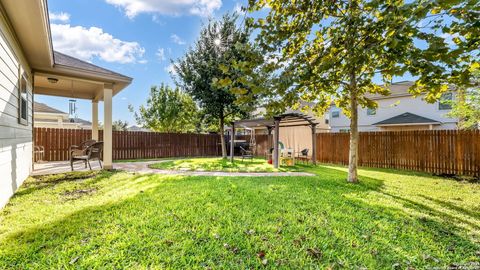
x: 69, y: 61
x: 42, y: 107
x: 406, y: 118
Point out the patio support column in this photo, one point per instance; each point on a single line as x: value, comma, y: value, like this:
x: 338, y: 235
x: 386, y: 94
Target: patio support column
x: 314, y: 143
x: 95, y: 120
x: 275, y: 141
x: 232, y: 141
x: 107, y: 129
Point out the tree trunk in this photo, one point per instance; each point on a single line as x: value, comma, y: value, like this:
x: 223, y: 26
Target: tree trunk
x: 222, y: 137
x: 354, y: 137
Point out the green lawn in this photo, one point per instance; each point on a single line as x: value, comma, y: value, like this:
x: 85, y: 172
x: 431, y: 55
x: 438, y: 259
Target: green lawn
x: 222, y: 165
x: 392, y: 220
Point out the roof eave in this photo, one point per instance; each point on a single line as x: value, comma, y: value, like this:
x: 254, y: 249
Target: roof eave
x: 96, y: 75
x: 408, y: 124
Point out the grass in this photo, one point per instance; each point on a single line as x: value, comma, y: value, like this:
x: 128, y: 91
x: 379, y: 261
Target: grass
x: 116, y: 220
x: 221, y: 165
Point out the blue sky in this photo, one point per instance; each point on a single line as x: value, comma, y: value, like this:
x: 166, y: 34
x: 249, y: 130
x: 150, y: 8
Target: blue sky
x: 137, y: 38
x: 133, y: 37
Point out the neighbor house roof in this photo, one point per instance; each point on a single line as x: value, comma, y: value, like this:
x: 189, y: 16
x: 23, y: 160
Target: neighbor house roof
x: 81, y: 121
x: 406, y: 119
x: 44, y: 108
x: 69, y: 61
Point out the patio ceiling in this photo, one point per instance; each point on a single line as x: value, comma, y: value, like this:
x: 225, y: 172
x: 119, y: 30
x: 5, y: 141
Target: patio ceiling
x: 55, y: 73
x: 74, y: 78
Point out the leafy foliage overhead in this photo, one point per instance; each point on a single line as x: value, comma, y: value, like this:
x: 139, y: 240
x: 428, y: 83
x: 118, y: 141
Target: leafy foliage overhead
x: 331, y: 51
x: 202, y: 71
x: 323, y: 48
x: 219, y: 72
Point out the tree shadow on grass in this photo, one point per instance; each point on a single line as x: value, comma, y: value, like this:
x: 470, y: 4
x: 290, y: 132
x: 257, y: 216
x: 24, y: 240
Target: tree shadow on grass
x: 425, y: 209
x: 335, y: 176
x: 37, y: 183
x: 201, y: 222
x: 453, y: 207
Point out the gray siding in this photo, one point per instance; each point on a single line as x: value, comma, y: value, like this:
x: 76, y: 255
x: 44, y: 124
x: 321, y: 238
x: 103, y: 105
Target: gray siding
x: 15, y: 138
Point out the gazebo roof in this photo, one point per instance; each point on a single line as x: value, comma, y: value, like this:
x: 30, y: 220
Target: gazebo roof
x: 292, y: 119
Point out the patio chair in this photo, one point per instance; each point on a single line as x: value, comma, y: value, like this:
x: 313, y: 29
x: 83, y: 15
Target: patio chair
x: 246, y: 153
x: 303, y: 155
x: 91, y: 150
x: 38, y: 153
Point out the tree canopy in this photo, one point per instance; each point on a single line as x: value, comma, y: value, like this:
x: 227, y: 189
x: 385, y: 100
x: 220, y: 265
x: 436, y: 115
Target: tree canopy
x: 168, y: 110
x: 215, y: 73
x: 333, y: 51
x: 466, y: 106
x: 119, y: 125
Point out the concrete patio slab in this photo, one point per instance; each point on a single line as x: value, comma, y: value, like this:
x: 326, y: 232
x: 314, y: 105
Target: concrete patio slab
x: 143, y: 168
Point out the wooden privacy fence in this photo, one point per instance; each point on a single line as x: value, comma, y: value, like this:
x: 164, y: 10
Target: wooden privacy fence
x: 130, y: 144
x: 433, y: 151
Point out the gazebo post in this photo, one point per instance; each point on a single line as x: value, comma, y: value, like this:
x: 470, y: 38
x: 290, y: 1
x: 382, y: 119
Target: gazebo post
x: 275, y: 141
x: 232, y: 141
x: 314, y: 143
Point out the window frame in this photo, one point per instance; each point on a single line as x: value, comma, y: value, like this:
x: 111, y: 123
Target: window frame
x: 337, y: 114
x: 22, y: 97
x: 447, y: 105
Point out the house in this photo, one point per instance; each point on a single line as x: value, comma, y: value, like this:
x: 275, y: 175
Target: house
x: 398, y: 111
x: 29, y: 66
x: 45, y: 116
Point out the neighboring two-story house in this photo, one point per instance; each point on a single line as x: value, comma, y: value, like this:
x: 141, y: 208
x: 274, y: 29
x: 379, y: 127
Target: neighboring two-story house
x: 47, y: 117
x: 398, y: 111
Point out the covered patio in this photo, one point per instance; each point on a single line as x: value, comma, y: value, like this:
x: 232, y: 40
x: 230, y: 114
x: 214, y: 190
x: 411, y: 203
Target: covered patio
x: 72, y: 78
x: 293, y: 119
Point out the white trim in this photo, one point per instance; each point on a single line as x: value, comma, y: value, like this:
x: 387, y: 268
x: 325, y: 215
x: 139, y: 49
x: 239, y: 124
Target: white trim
x: 409, y: 124
x: 50, y: 113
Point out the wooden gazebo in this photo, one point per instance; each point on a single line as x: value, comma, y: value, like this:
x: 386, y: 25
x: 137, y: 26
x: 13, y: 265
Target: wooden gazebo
x: 293, y: 119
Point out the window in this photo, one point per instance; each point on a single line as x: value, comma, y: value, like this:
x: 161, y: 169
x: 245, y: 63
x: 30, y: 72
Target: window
x: 335, y: 114
x: 445, y: 102
x: 22, y: 100
x: 371, y: 111
x: 326, y: 121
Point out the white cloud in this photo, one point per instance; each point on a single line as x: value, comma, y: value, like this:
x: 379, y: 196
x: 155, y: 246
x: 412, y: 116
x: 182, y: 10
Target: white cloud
x: 161, y: 54
x: 167, y: 7
x: 62, y: 16
x: 87, y: 43
x: 176, y: 39
x: 143, y: 61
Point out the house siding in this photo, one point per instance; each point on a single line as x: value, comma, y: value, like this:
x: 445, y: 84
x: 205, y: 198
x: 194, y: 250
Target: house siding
x: 15, y: 138
x: 390, y: 107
